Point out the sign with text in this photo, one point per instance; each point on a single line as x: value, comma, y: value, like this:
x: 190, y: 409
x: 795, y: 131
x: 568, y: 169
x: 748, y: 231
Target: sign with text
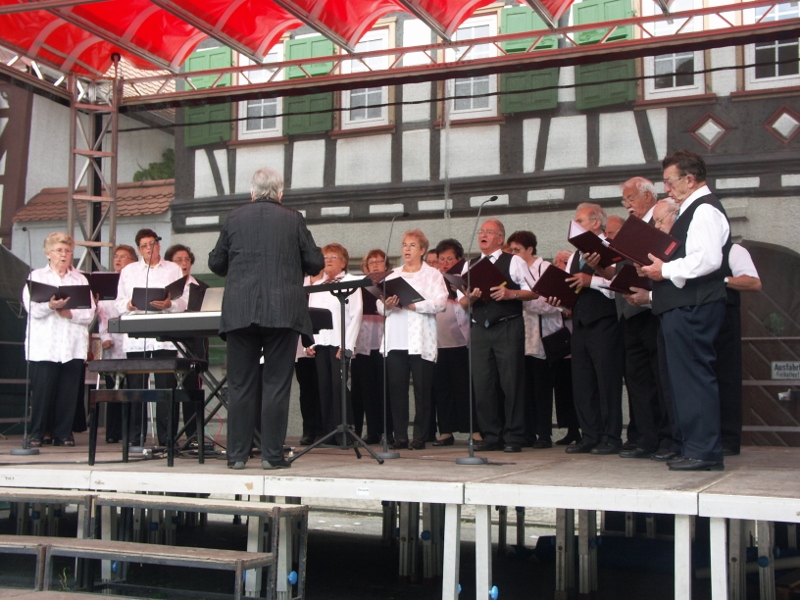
x: 788, y: 369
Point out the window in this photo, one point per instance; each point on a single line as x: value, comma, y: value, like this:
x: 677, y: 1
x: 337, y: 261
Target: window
x: 262, y: 120
x: 311, y: 113
x: 365, y: 107
x: 776, y: 64
x: 472, y: 100
x: 211, y: 123
x: 673, y: 75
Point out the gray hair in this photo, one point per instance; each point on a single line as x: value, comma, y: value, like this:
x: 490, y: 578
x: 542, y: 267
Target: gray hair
x: 266, y: 183
x: 597, y: 212
x: 500, y: 228
x: 642, y: 185
x: 58, y: 237
x: 669, y: 203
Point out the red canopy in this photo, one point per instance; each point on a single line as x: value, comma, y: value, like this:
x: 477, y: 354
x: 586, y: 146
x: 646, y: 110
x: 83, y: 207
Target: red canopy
x: 81, y: 36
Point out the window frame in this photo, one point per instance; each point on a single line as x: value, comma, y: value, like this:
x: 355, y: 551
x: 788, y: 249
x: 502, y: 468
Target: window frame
x: 380, y: 34
x: 490, y: 19
x: 275, y: 56
x: 751, y: 82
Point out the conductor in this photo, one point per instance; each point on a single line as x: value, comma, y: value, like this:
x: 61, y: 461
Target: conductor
x: 264, y: 249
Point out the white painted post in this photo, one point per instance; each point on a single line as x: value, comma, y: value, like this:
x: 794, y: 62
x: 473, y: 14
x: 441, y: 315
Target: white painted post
x: 483, y: 551
x: 683, y: 557
x: 284, y: 566
x: 452, y: 551
x: 765, y: 530
x: 565, y: 552
x: 719, y: 559
x: 255, y: 543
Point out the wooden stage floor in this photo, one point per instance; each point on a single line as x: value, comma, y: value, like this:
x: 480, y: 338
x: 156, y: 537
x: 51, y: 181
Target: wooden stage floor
x: 763, y: 483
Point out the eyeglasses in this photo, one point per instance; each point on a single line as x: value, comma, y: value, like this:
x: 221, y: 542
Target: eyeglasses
x: 515, y: 249
x: 376, y: 262
x: 62, y: 250
x: 331, y: 257
x: 488, y: 232
x: 630, y: 199
x: 664, y: 218
x: 121, y: 256
x: 671, y: 182
x: 147, y: 245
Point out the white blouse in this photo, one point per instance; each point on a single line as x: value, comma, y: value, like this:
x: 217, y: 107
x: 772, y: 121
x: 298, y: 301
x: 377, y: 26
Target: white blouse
x: 352, y: 315
x: 161, y: 275
x: 107, y: 309
x: 452, y: 326
x: 370, y: 334
x: 51, y: 337
x: 415, y: 330
x: 532, y: 310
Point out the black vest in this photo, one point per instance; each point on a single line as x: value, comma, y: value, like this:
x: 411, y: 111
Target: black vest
x: 489, y: 314
x: 592, y: 305
x: 701, y: 290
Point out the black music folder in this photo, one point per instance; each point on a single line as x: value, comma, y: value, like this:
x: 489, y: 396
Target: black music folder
x: 626, y: 278
x: 104, y: 284
x: 636, y: 239
x: 454, y: 281
x: 587, y: 242
x: 321, y: 318
x: 397, y: 287
x: 553, y: 282
x: 370, y: 300
x: 143, y: 296
x: 80, y: 296
x: 484, y: 276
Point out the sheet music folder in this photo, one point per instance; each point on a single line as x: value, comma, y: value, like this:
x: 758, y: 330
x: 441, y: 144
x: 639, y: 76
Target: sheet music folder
x: 587, y: 242
x: 455, y: 282
x: 399, y: 287
x: 553, y: 282
x: 79, y: 295
x: 484, y: 275
x: 636, y: 239
x: 104, y: 284
x: 143, y: 296
x: 626, y: 278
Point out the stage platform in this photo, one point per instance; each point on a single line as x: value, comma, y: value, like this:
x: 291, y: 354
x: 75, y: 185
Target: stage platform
x: 762, y: 484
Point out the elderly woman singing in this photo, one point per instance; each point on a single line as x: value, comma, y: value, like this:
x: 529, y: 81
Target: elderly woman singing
x: 56, y: 344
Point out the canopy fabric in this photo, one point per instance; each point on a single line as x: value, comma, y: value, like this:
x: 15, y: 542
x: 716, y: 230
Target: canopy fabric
x: 81, y: 37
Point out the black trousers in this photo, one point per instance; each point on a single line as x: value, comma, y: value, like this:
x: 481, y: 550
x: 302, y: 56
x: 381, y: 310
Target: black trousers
x: 451, y: 389
x: 728, y: 368
x: 538, y: 400
x: 250, y: 386
x: 561, y: 376
x: 54, y: 388
x: 305, y: 371
x: 329, y: 375
x: 597, y: 358
x: 367, y: 373
x: 498, y: 364
x: 643, y: 379
x: 164, y: 381
x: 399, y: 366
x: 689, y: 334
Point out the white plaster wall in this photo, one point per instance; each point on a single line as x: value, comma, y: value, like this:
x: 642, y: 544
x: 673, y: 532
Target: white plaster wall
x: 137, y: 149
x: 472, y: 152
x: 657, y: 118
x: 723, y: 82
x: 204, y: 186
x: 415, y: 113
x: 250, y: 159
x: 417, y: 155
x: 415, y: 33
x: 363, y: 160
x: 530, y: 143
x: 308, y: 164
x: 566, y: 77
x: 619, y: 140
x: 49, y: 148
x: 566, y: 144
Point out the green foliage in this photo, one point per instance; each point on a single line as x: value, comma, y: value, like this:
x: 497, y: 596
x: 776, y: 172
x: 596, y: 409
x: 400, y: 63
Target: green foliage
x: 158, y: 170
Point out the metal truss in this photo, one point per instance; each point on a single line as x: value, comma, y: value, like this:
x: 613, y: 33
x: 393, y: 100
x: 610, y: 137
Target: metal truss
x: 94, y: 119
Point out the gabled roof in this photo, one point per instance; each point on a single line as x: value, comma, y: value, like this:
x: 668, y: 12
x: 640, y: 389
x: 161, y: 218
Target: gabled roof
x: 133, y: 199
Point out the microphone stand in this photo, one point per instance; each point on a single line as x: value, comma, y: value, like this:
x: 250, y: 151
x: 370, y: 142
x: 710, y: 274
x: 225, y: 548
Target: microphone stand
x: 386, y: 453
x: 472, y: 459
x: 26, y: 450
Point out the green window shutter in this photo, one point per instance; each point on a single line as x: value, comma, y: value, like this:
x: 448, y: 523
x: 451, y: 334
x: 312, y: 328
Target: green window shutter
x: 295, y: 120
x: 515, y: 20
x: 604, y: 93
x: 207, y: 132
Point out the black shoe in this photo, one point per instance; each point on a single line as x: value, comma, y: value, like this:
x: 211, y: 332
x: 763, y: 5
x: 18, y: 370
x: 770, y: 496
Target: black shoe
x: 372, y: 438
x: 629, y: 445
x: 68, y: 441
x: 635, y: 453
x: 306, y: 440
x: 663, y: 455
x: 485, y: 446
x: 581, y: 448
x: 542, y: 443
x: 416, y: 445
x: 730, y: 451
x: 112, y: 440
x: 400, y: 445
x: 512, y: 448
x: 448, y: 441
x: 237, y: 465
x: 606, y: 448
x: 695, y: 464
x: 570, y: 438
x: 281, y: 463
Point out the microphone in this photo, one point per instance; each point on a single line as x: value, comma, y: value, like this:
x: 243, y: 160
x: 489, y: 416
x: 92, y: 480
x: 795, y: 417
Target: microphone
x: 24, y: 229
x: 159, y: 238
x: 402, y: 215
x: 477, y: 219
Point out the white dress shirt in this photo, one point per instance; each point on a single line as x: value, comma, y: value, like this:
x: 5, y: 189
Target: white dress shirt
x: 741, y: 263
x: 161, y: 275
x: 107, y: 309
x: 49, y: 336
x: 353, y: 310
x: 551, y: 320
x: 415, y: 330
x: 370, y: 334
x: 707, y: 234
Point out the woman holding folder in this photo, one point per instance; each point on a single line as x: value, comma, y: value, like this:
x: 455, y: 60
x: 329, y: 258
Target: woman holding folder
x: 56, y: 344
x: 410, y: 339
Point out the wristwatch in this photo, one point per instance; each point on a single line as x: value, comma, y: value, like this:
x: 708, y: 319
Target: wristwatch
x: 516, y: 294
x: 726, y: 280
